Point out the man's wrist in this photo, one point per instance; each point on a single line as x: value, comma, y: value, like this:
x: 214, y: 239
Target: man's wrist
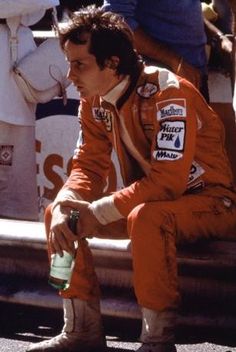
x: 65, y: 194
x: 219, y: 35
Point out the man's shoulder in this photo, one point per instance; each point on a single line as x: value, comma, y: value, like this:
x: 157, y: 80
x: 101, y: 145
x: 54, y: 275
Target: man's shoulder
x: 155, y: 79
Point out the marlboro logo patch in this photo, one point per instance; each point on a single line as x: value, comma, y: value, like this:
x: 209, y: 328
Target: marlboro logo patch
x: 171, y: 108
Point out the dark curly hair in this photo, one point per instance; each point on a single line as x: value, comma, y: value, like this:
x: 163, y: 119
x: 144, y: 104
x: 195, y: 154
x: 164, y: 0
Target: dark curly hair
x: 109, y: 36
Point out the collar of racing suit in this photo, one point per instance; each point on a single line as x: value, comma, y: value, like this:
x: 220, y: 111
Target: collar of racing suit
x: 121, y: 92
x: 115, y: 93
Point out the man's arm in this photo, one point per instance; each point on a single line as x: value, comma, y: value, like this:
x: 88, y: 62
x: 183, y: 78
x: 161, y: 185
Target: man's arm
x: 233, y: 7
x: 159, y: 52
x: 214, y: 32
x: 224, y: 45
x: 149, y: 47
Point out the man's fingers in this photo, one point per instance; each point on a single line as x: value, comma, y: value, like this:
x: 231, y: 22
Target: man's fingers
x: 55, y: 245
x: 60, y: 242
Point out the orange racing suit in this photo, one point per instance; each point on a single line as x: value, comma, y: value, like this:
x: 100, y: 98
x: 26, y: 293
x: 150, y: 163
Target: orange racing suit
x: 177, y: 179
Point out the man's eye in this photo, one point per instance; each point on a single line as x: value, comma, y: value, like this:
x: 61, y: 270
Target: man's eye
x: 79, y: 64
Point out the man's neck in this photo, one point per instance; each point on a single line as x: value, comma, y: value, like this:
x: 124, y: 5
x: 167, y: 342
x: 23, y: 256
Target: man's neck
x: 115, y: 93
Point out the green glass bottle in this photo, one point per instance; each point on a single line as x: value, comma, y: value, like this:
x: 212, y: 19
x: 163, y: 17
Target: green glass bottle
x: 61, y: 267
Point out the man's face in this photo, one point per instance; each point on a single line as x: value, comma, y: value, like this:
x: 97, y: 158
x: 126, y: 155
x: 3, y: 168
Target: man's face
x: 84, y: 72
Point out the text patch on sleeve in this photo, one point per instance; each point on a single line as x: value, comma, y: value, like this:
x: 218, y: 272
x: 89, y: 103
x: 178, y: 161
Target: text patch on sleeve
x: 170, y: 140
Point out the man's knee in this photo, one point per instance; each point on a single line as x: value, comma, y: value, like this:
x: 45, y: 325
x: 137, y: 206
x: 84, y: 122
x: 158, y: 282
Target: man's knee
x: 153, y: 216
x: 136, y: 216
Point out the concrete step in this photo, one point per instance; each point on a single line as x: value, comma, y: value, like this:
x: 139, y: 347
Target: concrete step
x: 23, y: 249
x: 114, y: 303
x: 206, y: 274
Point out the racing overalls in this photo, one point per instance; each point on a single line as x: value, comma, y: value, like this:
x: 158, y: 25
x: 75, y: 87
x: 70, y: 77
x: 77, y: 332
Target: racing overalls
x: 178, y: 183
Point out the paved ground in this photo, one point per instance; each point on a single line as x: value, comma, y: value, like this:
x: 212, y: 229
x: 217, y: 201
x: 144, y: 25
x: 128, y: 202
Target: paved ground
x: 21, y: 325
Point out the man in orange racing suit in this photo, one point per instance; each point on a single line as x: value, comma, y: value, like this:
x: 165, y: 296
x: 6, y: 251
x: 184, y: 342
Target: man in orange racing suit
x: 178, y: 182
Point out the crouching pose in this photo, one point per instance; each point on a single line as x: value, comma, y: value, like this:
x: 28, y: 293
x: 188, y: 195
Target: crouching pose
x: 177, y: 179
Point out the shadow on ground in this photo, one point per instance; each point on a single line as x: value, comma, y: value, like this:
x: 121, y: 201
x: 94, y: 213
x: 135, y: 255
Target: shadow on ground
x: 32, y: 324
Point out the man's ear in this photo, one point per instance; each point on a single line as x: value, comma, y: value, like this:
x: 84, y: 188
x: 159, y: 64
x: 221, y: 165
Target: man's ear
x: 112, y: 63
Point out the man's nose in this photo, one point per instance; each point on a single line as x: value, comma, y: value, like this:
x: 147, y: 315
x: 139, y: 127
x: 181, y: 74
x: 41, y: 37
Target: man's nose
x: 70, y: 73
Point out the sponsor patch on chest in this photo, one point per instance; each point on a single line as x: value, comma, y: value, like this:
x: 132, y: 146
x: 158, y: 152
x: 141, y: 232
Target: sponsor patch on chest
x: 103, y: 115
x: 147, y: 90
x: 171, y: 108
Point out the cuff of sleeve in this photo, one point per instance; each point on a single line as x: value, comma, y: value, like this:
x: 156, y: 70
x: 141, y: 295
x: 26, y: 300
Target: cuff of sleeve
x: 105, y: 210
x: 65, y: 194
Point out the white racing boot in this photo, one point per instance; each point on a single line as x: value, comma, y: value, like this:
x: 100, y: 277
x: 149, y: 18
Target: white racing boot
x: 157, y: 331
x: 82, y: 332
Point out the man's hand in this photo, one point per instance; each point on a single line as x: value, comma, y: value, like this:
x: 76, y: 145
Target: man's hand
x: 61, y: 237
x: 227, y: 44
x: 226, y: 53
x: 88, y: 225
